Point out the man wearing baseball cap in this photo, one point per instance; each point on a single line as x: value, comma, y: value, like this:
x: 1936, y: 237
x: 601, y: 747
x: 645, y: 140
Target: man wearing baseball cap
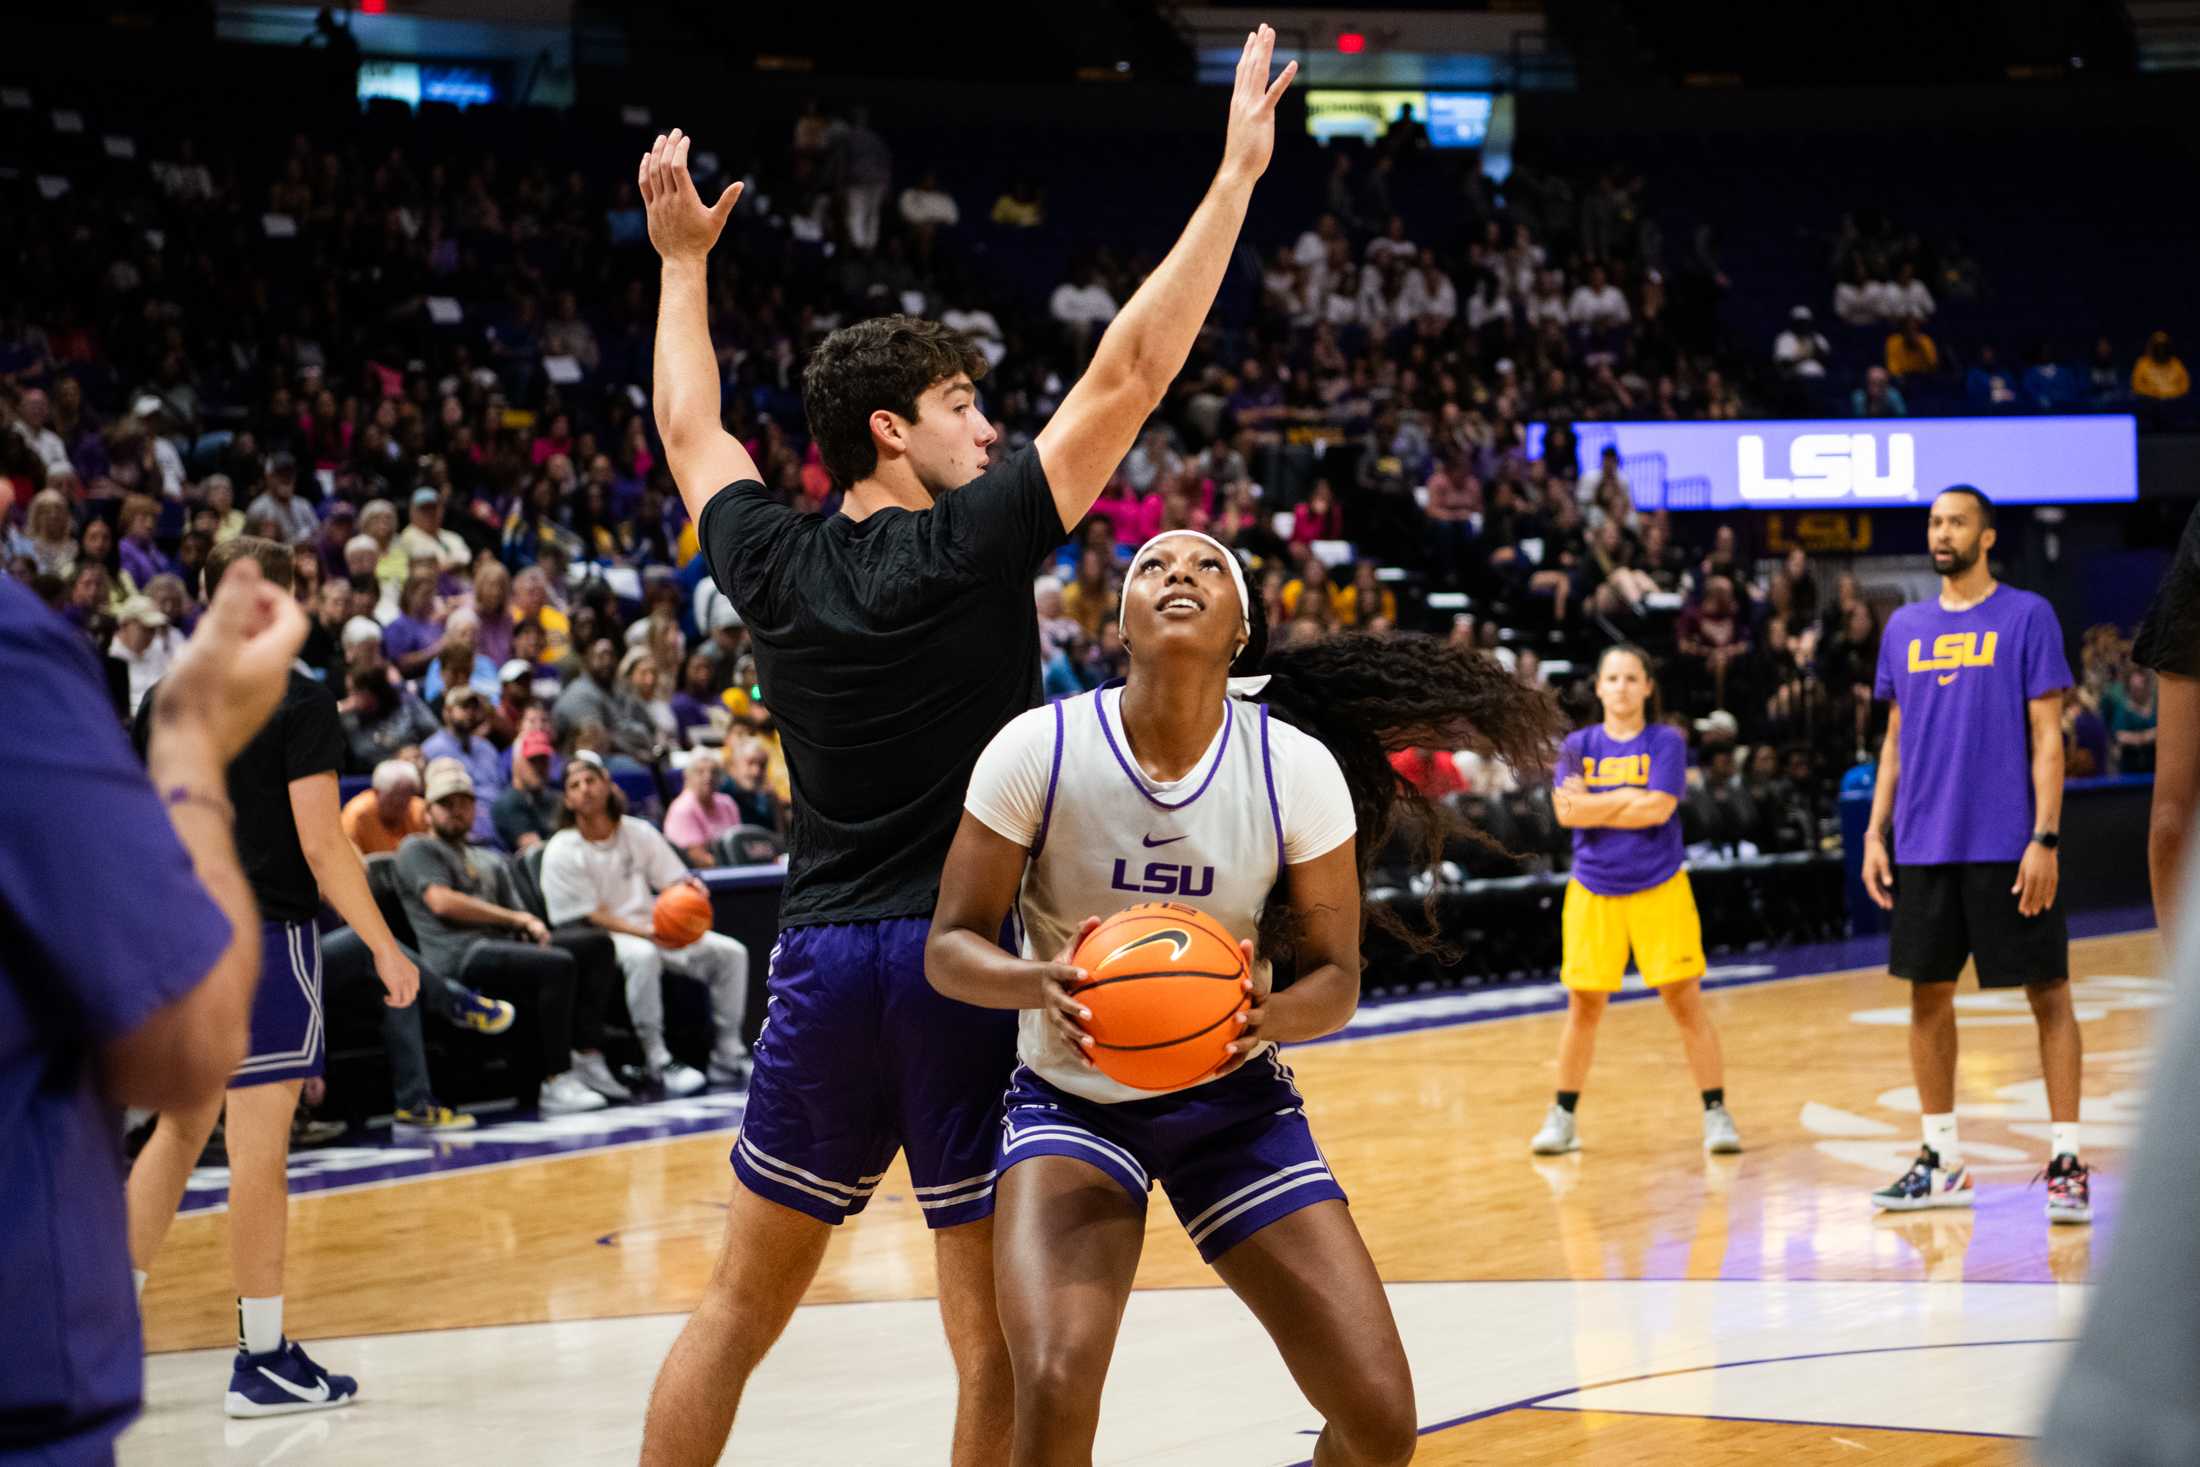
x: 460, y: 738
x: 526, y: 814
x: 471, y: 927
x: 427, y: 545
x: 293, y: 518
x: 141, y: 644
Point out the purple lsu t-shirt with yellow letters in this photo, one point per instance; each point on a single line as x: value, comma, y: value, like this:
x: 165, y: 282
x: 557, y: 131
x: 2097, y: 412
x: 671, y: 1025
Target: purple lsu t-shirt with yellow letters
x: 1962, y: 680
x: 1611, y: 862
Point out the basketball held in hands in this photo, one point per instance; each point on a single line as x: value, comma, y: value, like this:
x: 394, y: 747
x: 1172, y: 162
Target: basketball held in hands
x: 682, y: 915
x: 1165, y: 985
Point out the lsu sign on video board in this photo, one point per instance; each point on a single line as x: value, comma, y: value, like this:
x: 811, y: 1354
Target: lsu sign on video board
x: 1878, y: 463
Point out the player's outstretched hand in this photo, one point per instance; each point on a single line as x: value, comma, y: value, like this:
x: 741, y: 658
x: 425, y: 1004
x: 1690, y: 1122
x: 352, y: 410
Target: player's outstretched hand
x: 681, y: 225
x: 1064, y: 1011
x: 1252, y: 137
x: 232, y: 673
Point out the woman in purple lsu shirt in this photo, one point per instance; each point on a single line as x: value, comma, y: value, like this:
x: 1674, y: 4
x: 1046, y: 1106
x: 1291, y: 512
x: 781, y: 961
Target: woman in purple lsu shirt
x: 1619, y: 789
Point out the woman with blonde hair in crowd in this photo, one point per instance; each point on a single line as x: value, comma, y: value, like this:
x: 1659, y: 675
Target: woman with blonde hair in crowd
x: 48, y: 536
x: 638, y: 675
x: 491, y: 601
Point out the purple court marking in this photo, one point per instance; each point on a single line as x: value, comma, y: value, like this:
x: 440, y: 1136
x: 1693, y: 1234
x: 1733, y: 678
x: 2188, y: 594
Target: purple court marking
x: 381, y: 1158
x: 1781, y: 1420
x: 1536, y: 1402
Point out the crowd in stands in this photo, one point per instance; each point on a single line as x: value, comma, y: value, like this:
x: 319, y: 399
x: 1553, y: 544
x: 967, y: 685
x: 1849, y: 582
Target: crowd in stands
x: 424, y: 370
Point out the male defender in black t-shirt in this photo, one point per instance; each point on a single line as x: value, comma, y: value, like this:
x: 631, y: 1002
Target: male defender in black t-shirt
x: 893, y: 640
x: 283, y: 791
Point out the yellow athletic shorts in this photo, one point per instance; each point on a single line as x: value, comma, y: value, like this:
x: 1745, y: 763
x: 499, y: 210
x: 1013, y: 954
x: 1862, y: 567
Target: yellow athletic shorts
x: 1660, y: 926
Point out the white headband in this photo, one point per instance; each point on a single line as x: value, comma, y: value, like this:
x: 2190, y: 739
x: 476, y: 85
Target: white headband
x: 1237, y: 578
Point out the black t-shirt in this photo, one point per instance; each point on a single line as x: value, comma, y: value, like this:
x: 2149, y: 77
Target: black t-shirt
x: 2169, y: 638
x: 890, y: 651
x: 303, y: 737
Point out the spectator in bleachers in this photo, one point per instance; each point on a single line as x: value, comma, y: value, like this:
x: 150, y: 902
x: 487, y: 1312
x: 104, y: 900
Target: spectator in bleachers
x: 2128, y: 709
x: 1597, y: 304
x: 1366, y: 600
x: 531, y: 603
x: 1802, y: 349
x: 466, y: 916
x: 2085, y: 738
x: 606, y: 868
x: 527, y: 812
x: 143, y: 643
x: 641, y: 677
x: 34, y: 426
x: 378, y: 818
x: 1986, y: 387
x: 1878, y: 397
x: 2160, y: 374
x: 414, y: 637
x: 458, y: 662
x: 465, y: 712
x: 381, y: 716
x: 491, y: 602
x: 141, y: 559
x: 748, y: 769
x: 1860, y: 300
x: 1311, y: 592
x: 1319, y: 518
x: 1908, y: 299
x: 1081, y: 306
x: 2048, y: 385
x: 1910, y: 352
x: 701, y: 812
x: 598, y: 696
x: 1711, y: 638
x: 48, y: 535
x: 1022, y: 207
x: 427, y: 546
x: 290, y: 518
x: 2105, y: 382
x: 323, y: 653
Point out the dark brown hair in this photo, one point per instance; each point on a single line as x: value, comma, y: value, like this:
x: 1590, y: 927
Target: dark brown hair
x: 273, y: 555
x: 886, y: 362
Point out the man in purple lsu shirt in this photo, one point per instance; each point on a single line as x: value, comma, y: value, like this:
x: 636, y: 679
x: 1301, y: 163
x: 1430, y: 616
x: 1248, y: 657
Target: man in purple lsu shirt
x: 1971, y: 780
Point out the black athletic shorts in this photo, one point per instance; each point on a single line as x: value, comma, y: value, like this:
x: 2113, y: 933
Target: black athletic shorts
x: 1944, y: 914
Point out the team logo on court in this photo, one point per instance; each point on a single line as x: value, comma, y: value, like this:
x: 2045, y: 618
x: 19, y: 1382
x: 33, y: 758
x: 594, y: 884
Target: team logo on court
x: 1177, y: 937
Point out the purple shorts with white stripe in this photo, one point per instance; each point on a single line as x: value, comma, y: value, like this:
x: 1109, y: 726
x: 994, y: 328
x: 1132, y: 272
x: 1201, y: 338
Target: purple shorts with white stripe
x: 861, y: 1057
x: 287, y: 1039
x: 1234, y: 1155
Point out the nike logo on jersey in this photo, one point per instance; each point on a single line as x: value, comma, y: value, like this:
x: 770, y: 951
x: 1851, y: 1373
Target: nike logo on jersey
x: 1946, y: 678
x: 316, y: 1396
x: 1172, y: 840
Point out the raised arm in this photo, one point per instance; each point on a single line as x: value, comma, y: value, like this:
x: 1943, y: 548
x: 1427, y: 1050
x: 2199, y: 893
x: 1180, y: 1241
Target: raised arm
x: 703, y: 456
x: 1146, y: 344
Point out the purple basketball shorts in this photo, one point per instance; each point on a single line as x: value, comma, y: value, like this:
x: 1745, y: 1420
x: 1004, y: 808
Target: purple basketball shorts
x: 859, y: 1058
x: 288, y: 1042
x: 1234, y: 1155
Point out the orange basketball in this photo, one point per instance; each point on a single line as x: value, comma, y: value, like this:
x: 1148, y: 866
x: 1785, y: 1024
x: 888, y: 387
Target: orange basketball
x: 682, y: 915
x: 1166, y: 981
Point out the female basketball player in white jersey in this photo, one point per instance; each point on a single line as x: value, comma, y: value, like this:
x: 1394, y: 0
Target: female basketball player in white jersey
x: 1175, y: 784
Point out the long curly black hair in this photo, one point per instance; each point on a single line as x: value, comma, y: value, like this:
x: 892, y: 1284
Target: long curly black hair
x: 1367, y: 696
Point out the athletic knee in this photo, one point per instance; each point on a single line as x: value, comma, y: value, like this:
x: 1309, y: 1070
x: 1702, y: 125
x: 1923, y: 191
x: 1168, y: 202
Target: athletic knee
x: 1932, y: 1001
x: 1378, y: 1428
x: 2048, y: 1000
x: 1585, y: 1008
x: 1058, y: 1378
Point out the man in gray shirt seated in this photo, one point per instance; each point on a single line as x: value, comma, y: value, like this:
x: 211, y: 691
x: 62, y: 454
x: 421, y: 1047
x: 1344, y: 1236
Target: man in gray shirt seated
x: 468, y: 920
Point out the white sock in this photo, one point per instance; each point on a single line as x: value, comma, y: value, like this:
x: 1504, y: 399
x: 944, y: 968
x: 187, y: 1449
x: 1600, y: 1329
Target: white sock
x: 137, y: 1282
x: 2064, y: 1138
x: 260, y: 1324
x: 1940, y: 1134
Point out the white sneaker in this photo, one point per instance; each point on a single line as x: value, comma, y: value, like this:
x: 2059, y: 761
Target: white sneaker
x: 564, y: 1095
x: 1558, y: 1134
x: 679, y: 1079
x: 733, y: 1071
x: 591, y: 1071
x: 1719, y: 1135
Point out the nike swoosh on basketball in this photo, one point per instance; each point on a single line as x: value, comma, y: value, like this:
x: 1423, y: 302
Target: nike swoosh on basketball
x: 1172, y: 840
x: 317, y: 1395
x: 1947, y: 678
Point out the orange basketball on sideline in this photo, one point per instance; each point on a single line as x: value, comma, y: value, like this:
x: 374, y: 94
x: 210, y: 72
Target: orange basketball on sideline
x: 1165, y: 981
x: 682, y: 915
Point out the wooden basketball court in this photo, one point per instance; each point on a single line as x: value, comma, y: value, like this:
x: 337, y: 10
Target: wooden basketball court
x: 1638, y: 1302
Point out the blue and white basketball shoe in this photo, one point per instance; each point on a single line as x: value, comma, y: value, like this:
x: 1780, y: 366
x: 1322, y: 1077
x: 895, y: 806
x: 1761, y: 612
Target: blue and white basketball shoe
x: 1926, y: 1184
x: 284, y: 1380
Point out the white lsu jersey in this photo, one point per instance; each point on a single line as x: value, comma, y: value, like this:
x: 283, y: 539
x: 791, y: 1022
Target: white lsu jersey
x: 1062, y: 782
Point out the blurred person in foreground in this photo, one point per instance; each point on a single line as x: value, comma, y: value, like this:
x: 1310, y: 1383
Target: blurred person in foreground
x: 147, y: 1005
x: 2168, y: 645
x: 283, y: 789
